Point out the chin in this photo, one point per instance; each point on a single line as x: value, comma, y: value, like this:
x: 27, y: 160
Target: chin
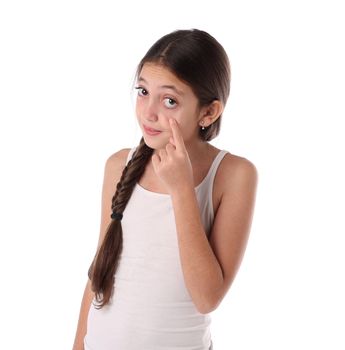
x: 155, y: 144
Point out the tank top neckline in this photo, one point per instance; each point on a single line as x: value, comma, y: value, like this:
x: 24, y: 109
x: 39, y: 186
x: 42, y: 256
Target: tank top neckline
x: 196, y: 188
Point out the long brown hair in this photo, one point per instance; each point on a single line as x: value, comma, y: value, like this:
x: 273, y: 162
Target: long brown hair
x: 199, y: 60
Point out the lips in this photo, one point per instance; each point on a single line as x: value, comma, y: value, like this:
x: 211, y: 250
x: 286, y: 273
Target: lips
x: 151, y: 129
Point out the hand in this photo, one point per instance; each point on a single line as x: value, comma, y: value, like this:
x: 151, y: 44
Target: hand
x: 172, y: 165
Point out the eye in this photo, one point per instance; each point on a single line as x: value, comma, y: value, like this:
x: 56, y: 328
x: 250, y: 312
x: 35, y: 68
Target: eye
x: 171, y: 103
x: 141, y: 91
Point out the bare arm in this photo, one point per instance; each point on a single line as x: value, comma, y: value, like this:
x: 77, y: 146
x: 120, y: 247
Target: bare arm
x: 82, y: 322
x: 209, y: 268
x: 112, y: 174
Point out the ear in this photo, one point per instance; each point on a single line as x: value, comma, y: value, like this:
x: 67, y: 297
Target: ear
x: 209, y: 114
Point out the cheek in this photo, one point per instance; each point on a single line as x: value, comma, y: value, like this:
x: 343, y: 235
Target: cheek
x: 165, y: 115
x: 138, y: 106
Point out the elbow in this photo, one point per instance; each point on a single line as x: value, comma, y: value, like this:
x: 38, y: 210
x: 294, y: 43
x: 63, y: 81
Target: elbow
x: 207, y: 307
x: 210, y: 301
x: 204, y: 310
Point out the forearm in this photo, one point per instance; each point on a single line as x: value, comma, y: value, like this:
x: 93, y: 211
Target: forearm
x: 82, y: 322
x: 202, y: 272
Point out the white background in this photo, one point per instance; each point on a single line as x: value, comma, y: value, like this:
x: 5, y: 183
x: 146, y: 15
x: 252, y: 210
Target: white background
x: 66, y: 71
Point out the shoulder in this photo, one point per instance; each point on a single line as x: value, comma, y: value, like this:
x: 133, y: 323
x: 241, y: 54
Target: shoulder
x: 236, y: 171
x: 114, y: 165
x: 113, y: 169
x: 118, y: 159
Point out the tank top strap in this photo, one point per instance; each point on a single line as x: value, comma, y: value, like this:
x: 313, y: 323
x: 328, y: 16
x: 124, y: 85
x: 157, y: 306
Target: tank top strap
x: 130, y: 154
x: 208, y: 189
x: 215, y: 164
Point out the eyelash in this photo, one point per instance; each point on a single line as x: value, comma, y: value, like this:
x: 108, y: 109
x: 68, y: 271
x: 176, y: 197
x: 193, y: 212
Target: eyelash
x: 141, y: 88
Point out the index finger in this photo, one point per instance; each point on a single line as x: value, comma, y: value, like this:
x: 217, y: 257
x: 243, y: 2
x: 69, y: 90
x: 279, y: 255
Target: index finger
x: 178, y: 139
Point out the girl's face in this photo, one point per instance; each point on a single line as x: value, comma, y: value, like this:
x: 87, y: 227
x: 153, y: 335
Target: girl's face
x: 161, y: 96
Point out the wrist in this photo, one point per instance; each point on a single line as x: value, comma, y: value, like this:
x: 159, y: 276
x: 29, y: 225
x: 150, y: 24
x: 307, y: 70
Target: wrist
x: 182, y: 191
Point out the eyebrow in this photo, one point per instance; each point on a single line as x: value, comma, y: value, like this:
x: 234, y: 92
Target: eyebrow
x: 172, y: 87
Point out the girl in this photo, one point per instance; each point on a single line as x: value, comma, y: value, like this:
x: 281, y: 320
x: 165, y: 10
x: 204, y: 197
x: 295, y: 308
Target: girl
x: 176, y: 211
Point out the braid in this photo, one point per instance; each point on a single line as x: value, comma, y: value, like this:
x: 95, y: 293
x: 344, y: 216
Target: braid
x: 130, y: 176
x: 104, y: 265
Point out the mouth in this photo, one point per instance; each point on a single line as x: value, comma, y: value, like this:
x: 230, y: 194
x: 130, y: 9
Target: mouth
x: 151, y: 131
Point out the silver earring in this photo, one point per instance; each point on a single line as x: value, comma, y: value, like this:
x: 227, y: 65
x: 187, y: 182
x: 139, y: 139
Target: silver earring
x: 202, y: 128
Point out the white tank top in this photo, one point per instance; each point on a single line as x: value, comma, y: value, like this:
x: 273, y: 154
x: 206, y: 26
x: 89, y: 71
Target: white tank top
x: 151, y: 308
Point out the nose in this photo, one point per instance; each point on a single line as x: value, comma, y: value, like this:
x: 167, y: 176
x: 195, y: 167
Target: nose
x: 151, y: 111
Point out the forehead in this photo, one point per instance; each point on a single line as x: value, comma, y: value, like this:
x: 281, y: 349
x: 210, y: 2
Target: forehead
x: 160, y: 76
